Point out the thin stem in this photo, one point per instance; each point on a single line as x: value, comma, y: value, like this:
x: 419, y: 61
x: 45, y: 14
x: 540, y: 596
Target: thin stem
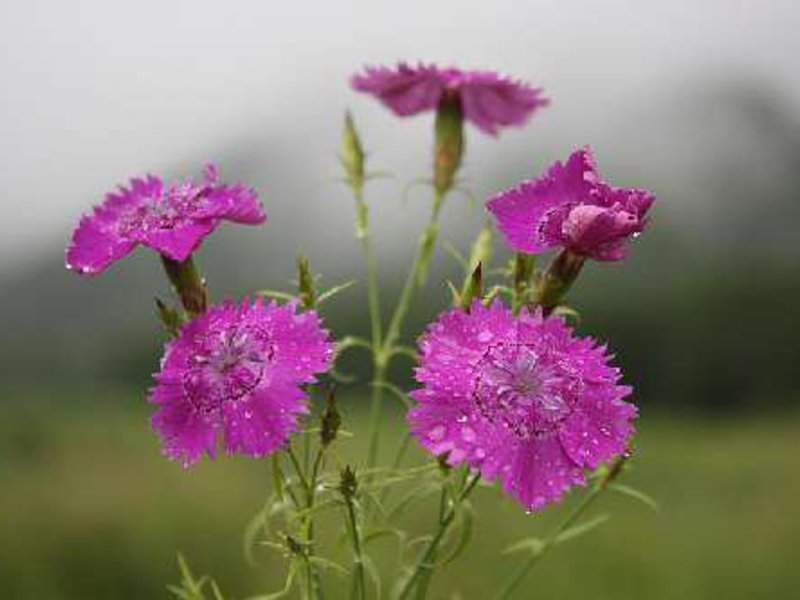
x: 359, y: 581
x: 426, y: 563
x: 364, y: 234
x: 573, y: 516
x: 556, y: 281
x: 297, y: 467
x: 188, y: 284
x: 309, y: 487
x: 376, y: 405
x: 383, y: 352
x: 427, y: 243
x: 373, y: 297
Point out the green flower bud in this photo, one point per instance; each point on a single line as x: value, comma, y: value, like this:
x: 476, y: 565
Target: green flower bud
x: 352, y: 155
x: 331, y: 420
x: 473, y: 288
x: 305, y: 283
x: 348, y: 484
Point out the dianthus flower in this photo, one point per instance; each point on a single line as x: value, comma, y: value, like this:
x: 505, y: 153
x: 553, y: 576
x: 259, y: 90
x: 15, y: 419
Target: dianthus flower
x: 172, y: 219
x: 488, y: 100
x: 520, y: 399
x: 234, y: 374
x: 571, y: 207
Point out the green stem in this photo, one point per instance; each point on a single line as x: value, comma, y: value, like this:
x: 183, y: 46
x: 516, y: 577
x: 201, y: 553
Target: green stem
x: 424, y: 568
x: 309, y: 488
x: 188, y: 284
x: 424, y: 254
x: 557, y: 279
x: 359, y: 581
x: 365, y: 235
x: 376, y: 404
x: 382, y: 352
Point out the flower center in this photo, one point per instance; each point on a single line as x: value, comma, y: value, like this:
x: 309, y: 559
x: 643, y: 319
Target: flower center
x: 525, y: 389
x: 229, y: 365
x: 163, y: 211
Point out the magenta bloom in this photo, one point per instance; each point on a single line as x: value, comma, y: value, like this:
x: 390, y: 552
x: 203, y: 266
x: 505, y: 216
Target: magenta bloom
x: 571, y: 207
x: 519, y: 398
x: 235, y: 374
x: 488, y: 100
x: 171, y: 219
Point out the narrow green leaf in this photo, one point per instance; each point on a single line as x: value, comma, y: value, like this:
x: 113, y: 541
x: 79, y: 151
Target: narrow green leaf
x: 287, y: 588
x: 398, y: 393
x: 532, y: 544
x: 374, y: 575
x: 275, y: 294
x: 330, y: 293
x: 627, y: 490
x: 581, y: 529
x: 328, y: 565
x: 465, y: 520
x: 455, y: 253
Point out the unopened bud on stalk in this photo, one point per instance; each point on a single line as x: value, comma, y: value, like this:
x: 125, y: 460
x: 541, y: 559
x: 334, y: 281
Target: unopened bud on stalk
x: 348, y: 484
x: 449, y: 148
x: 188, y: 284
x: 331, y: 420
x: 472, y: 289
x: 352, y: 154
x: 294, y: 546
x: 305, y: 283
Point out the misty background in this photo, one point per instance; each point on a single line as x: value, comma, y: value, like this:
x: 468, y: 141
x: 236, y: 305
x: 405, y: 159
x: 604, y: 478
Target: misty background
x: 698, y: 101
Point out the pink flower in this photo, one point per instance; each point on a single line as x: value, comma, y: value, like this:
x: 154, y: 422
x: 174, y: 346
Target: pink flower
x: 171, y: 219
x: 571, y: 207
x: 234, y: 375
x: 521, y: 399
x: 488, y: 100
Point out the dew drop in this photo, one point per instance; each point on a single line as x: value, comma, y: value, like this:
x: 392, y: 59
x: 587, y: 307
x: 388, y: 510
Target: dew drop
x: 468, y: 433
x: 437, y: 433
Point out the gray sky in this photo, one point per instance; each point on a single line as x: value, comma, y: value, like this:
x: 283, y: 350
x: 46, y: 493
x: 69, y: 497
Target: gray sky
x: 96, y: 91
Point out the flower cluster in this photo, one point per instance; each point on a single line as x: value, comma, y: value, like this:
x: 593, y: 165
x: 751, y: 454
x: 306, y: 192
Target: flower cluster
x: 172, y: 219
x: 519, y: 398
x: 509, y: 395
x: 516, y: 396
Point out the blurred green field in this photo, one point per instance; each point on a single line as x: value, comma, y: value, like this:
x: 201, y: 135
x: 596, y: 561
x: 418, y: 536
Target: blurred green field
x: 89, y: 509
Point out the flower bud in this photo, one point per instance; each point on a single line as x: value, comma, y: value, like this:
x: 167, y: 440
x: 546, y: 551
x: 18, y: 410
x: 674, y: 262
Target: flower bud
x: 294, y: 546
x: 348, y: 484
x: 305, y: 283
x: 352, y: 155
x: 331, y: 420
x: 473, y: 288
